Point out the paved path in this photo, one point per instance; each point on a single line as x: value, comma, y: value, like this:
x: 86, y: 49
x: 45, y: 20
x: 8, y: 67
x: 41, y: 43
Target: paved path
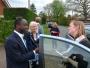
x: 63, y: 31
x: 2, y: 57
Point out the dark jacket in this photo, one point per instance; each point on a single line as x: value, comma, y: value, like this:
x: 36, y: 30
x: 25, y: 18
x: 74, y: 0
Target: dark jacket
x: 17, y: 55
x: 29, y: 37
x: 79, y: 58
x: 56, y: 31
x: 84, y: 42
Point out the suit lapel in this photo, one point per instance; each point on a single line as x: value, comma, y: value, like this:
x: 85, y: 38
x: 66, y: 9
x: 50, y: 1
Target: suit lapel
x: 19, y: 40
x: 32, y: 38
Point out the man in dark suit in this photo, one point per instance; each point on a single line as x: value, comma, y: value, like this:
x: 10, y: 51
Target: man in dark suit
x: 17, y: 52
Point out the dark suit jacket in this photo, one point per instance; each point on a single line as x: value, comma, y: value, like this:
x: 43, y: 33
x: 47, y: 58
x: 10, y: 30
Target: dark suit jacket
x: 16, y: 54
x: 84, y: 42
x: 35, y: 43
x: 30, y: 41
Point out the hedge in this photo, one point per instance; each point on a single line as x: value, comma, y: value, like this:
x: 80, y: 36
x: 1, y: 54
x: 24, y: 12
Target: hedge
x: 12, y: 13
x: 6, y: 24
x: 6, y: 28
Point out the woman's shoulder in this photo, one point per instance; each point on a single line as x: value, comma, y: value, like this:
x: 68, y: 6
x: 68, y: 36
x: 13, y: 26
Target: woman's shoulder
x: 85, y: 42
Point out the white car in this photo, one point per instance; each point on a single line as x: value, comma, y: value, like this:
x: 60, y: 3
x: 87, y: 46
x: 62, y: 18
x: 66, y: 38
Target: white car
x: 54, y: 52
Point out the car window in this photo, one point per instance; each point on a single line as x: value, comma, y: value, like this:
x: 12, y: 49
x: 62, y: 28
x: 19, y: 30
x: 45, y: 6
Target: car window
x: 87, y: 31
x: 55, y: 51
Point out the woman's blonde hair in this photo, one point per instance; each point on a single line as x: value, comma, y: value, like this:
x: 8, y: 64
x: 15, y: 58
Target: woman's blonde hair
x: 80, y: 26
x: 32, y: 23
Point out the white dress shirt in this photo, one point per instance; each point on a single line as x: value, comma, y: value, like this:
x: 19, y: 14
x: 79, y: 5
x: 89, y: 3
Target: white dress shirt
x: 21, y: 36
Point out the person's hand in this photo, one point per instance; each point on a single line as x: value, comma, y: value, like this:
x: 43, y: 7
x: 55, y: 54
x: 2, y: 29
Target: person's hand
x: 36, y: 50
x: 52, y: 31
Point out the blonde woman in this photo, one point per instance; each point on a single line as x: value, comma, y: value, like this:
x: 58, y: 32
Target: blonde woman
x: 33, y: 26
x: 54, y: 32
x: 76, y: 32
x: 55, y: 29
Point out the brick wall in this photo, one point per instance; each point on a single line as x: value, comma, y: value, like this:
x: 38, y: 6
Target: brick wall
x: 1, y: 7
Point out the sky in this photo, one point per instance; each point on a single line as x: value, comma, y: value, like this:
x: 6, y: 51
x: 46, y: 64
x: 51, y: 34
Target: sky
x: 39, y: 4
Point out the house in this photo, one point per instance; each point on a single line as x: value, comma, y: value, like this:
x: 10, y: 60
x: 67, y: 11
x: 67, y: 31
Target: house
x: 3, y: 4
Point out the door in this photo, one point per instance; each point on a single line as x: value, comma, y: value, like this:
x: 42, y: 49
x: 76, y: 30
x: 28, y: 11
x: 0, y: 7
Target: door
x: 55, y: 51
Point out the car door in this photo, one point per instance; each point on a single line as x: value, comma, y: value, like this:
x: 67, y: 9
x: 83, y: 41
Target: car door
x: 55, y: 50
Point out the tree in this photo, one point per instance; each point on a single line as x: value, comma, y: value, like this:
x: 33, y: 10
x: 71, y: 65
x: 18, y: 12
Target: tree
x: 48, y: 11
x: 33, y: 8
x: 55, y: 10
x: 80, y: 6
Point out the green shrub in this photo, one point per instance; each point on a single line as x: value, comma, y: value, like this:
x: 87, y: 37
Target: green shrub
x: 12, y: 13
x: 6, y: 24
x: 6, y: 28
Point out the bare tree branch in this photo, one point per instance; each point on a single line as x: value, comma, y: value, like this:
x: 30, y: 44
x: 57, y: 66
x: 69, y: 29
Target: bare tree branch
x: 79, y: 6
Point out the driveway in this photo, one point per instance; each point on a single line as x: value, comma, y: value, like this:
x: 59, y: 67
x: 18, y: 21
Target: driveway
x: 2, y: 57
x: 63, y: 30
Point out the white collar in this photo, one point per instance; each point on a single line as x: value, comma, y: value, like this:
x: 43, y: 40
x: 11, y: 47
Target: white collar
x: 80, y: 38
x: 19, y: 34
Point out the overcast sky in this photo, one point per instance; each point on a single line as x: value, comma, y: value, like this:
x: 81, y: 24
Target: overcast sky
x: 39, y: 4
